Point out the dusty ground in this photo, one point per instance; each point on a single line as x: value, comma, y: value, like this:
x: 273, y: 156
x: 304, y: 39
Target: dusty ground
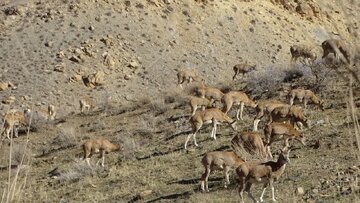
x: 47, y: 46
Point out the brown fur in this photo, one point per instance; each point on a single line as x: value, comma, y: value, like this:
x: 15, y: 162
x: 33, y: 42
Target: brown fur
x: 196, y: 102
x: 292, y: 114
x: 208, y: 116
x: 12, y: 120
x: 86, y: 104
x: 236, y: 98
x: 187, y: 75
x: 261, y: 172
x: 302, y: 51
x: 277, y: 131
x: 336, y: 47
x: 211, y: 93
x: 306, y: 96
x: 222, y: 161
x: 242, y: 68
x: 251, y: 142
x: 101, y: 145
x: 265, y: 107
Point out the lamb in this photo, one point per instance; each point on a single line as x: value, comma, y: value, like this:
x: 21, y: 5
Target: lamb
x: 265, y: 106
x: 222, y: 161
x: 243, y: 69
x: 101, y: 145
x: 208, y: 116
x: 236, y: 98
x: 302, y: 51
x: 187, y: 75
x: 211, y: 93
x: 336, y: 47
x: 278, y: 130
x: 305, y: 95
x: 86, y: 104
x: 261, y: 172
x: 196, y: 102
x: 293, y: 114
x: 13, y: 118
x: 48, y: 114
x: 251, y: 142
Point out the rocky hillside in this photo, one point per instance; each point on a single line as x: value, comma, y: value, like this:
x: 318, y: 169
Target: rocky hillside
x: 125, y: 55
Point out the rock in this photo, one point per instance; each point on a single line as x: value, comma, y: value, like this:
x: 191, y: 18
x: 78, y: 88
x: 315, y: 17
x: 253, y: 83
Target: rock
x: 317, y: 144
x: 145, y: 193
x: 300, y: 191
x: 59, y: 68
x: 91, y: 28
x: 75, y: 78
x: 304, y: 10
x: 127, y: 77
x: 109, y: 60
x: 95, y: 79
x: 60, y: 54
x: 49, y: 44
x: 8, y: 100
x: 75, y: 59
x: 133, y: 64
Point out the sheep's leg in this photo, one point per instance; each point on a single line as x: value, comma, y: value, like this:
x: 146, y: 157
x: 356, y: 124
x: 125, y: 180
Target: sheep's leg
x: 101, y: 158
x: 286, y: 142
x: 188, y: 138
x: 263, y: 192
x: 256, y: 123
x: 272, y: 190
x: 241, y: 188
x: 193, y: 110
x: 226, y: 172
x: 292, y: 100
x: 240, y: 111
x: 234, y: 76
x: 204, y: 178
x: 247, y: 189
x: 305, y: 104
x: 213, y: 133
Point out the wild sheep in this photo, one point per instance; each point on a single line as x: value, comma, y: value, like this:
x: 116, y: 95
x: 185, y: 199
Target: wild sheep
x: 208, y: 116
x: 336, y: 47
x: 277, y: 130
x: 222, y: 161
x: 243, y: 68
x: 261, y: 172
x: 236, y: 98
x: 305, y: 95
x: 265, y: 106
x: 196, y: 102
x: 211, y: 93
x: 46, y: 114
x: 187, y: 75
x: 101, y: 145
x: 293, y: 114
x: 251, y: 142
x: 302, y: 51
x: 86, y: 104
x: 12, y: 120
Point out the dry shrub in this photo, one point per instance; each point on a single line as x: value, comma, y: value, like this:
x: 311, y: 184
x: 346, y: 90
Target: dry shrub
x: 17, y: 153
x: 129, y: 146
x: 76, y: 172
x: 264, y: 84
x: 65, y: 138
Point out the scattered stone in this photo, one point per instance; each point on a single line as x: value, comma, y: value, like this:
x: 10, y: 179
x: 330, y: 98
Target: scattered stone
x: 108, y: 60
x: 60, y: 54
x: 6, y: 85
x: 91, y: 28
x: 108, y: 40
x: 8, y: 100
x: 25, y: 98
x: 75, y: 59
x: 95, y: 79
x: 75, y: 78
x: 49, y: 44
x: 300, y: 191
x: 145, y: 193
x: 133, y: 64
x: 59, y: 68
x: 304, y: 9
x: 127, y: 77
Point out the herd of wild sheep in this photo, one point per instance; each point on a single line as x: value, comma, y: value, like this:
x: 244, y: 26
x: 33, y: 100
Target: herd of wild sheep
x: 285, y: 122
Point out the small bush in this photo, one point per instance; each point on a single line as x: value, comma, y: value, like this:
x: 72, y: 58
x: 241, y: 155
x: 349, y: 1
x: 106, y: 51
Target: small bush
x: 65, y: 138
x: 76, y: 172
